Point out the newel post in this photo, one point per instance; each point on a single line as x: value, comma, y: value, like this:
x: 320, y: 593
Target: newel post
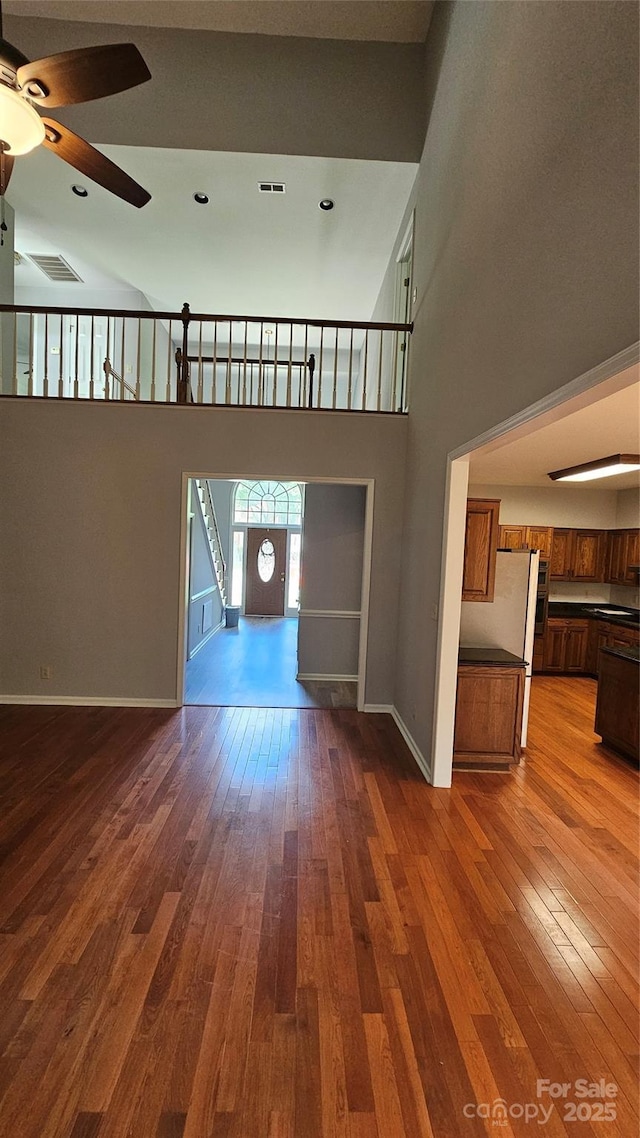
x: 182, y: 360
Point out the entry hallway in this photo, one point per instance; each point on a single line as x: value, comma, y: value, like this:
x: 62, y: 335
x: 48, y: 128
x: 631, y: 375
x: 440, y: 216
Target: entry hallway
x: 265, y: 924
x: 255, y: 665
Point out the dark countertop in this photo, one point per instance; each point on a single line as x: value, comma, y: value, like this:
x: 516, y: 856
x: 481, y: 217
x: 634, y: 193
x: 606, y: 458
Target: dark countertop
x: 579, y: 609
x: 494, y: 656
x: 630, y: 653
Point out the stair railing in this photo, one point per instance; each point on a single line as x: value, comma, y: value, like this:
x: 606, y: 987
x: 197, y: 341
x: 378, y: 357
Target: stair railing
x: 215, y: 542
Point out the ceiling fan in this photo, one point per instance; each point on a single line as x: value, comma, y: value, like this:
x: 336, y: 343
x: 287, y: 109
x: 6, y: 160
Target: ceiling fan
x: 59, y: 81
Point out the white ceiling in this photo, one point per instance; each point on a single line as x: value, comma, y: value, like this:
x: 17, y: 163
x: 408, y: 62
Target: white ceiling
x: 245, y: 252
x: 393, y: 21
x: 609, y: 426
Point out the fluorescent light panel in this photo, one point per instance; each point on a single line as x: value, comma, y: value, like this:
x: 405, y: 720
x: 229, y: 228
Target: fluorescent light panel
x: 600, y: 468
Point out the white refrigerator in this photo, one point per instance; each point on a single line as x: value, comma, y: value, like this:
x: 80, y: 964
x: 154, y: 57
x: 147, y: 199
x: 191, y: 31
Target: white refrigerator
x: 508, y: 622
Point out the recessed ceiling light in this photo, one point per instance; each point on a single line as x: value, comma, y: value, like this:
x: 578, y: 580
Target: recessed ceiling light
x: 326, y: 204
x: 80, y: 191
x: 201, y: 199
x: 601, y: 468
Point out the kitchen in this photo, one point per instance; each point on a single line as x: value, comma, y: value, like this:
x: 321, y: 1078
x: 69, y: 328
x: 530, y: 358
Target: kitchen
x: 557, y: 566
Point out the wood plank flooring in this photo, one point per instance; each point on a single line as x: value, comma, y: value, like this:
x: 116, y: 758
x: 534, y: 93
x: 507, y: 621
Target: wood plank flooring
x: 240, y: 923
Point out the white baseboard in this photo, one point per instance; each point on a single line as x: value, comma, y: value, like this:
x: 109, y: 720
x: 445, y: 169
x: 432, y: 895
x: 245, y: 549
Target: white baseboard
x: 86, y: 701
x: 425, y: 767
x: 378, y: 708
x: 326, y: 676
x: 206, y: 640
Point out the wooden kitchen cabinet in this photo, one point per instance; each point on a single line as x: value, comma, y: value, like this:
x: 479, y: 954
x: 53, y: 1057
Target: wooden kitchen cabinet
x: 488, y: 722
x: 527, y: 537
x: 512, y: 537
x: 617, y: 708
x: 565, y: 645
x: 624, y: 551
x: 578, y: 555
x: 481, y: 543
x: 603, y: 634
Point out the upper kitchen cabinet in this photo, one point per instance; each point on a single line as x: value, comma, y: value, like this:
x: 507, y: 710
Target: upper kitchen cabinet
x: 578, y: 555
x: 527, y: 537
x: 481, y: 543
x: 624, y: 552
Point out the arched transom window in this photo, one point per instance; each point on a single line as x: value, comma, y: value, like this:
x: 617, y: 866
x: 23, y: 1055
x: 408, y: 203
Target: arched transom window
x: 268, y: 504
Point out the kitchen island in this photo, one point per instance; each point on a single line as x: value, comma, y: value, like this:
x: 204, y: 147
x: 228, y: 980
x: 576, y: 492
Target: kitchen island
x: 617, y: 719
x: 489, y: 702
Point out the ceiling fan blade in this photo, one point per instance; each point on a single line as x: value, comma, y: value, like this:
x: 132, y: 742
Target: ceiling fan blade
x: 6, y: 168
x: 89, y: 161
x: 83, y: 74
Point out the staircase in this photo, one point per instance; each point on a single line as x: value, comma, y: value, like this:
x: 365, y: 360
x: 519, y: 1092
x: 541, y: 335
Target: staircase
x: 215, y: 545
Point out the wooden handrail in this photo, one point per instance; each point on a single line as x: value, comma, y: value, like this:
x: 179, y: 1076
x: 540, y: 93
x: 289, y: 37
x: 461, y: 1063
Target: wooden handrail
x: 108, y: 370
x: 208, y: 317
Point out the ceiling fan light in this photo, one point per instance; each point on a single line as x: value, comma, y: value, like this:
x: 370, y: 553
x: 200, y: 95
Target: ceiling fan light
x: 601, y: 468
x: 21, y: 128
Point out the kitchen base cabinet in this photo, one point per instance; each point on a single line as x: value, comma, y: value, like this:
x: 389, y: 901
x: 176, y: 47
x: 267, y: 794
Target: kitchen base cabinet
x: 602, y: 634
x: 565, y: 645
x: 488, y: 722
x: 480, y: 546
x: 617, y: 719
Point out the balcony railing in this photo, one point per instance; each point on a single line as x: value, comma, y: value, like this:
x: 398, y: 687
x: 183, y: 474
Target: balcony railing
x: 233, y: 361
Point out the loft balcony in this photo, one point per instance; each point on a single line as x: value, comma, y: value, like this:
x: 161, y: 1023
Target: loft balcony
x: 203, y: 360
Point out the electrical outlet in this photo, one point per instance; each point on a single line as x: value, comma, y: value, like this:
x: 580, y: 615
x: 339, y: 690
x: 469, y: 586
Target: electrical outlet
x: 434, y: 611
x: 129, y: 369
x: 414, y: 295
x: 46, y: 672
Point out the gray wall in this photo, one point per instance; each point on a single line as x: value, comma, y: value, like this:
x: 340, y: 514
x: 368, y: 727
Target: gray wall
x: 89, y: 573
x: 332, y: 558
x: 222, y: 493
x: 253, y: 93
x: 203, y: 587
x: 526, y: 251
x: 628, y: 511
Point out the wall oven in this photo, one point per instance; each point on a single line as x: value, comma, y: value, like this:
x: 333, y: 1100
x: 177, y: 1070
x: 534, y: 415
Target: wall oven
x: 542, y: 598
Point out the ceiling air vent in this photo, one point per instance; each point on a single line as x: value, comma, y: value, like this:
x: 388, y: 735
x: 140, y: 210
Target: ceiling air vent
x: 54, y: 267
x: 271, y: 187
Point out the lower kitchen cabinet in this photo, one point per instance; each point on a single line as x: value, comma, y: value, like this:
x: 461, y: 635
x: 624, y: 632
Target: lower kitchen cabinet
x: 489, y: 703
x: 617, y: 718
x: 565, y: 645
x: 602, y: 634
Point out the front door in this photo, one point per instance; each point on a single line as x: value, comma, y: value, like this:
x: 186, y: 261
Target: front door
x: 265, y: 572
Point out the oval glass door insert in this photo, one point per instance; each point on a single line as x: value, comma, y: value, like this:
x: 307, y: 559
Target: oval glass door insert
x: 266, y: 560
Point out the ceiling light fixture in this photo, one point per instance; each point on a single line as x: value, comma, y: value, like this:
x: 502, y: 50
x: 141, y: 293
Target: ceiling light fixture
x: 326, y: 204
x: 600, y: 468
x: 80, y: 191
x: 201, y: 199
x: 22, y: 128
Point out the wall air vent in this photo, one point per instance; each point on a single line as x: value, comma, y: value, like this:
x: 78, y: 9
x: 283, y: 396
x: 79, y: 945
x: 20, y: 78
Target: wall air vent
x: 54, y: 267
x: 272, y: 187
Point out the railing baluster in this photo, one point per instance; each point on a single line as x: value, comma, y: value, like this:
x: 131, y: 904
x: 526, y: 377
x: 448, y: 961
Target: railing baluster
x: 303, y: 370
x: 152, y: 390
x: 76, y: 381
x: 138, y: 356
x: 15, y: 354
x: 169, y: 360
x: 378, y: 401
x: 61, y: 346
x: 275, y: 368
x: 214, y: 382
x: 394, y: 372
x: 364, y: 375
x: 320, y: 368
x: 30, y: 372
x: 45, y: 388
x: 227, y: 388
x: 260, y: 368
x: 91, y: 366
x: 122, y: 361
x: 244, y: 368
x: 289, y: 365
x: 106, y: 358
x: 350, y: 388
x: 200, y: 395
x: 335, y: 372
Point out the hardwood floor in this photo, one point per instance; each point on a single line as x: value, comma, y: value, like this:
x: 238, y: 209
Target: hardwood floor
x: 265, y: 924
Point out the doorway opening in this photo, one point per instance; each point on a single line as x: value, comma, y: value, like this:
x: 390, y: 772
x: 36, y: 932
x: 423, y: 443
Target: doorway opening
x: 275, y: 592
x: 611, y: 377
